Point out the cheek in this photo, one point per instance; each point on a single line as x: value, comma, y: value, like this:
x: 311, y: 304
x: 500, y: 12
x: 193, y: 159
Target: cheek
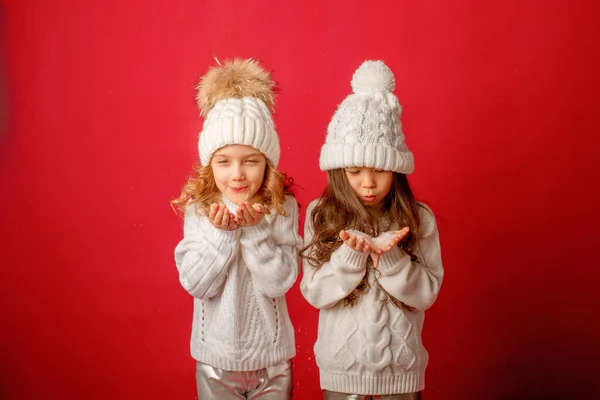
x: 256, y: 176
x: 354, y: 184
x: 219, y: 176
x: 387, y: 186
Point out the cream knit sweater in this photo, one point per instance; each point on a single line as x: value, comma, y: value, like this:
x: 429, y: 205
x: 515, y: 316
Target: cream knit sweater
x: 239, y: 280
x: 374, y: 347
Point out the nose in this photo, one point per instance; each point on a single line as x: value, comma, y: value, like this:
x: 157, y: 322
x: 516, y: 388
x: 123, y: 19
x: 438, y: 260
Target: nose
x: 368, y: 180
x: 238, y: 172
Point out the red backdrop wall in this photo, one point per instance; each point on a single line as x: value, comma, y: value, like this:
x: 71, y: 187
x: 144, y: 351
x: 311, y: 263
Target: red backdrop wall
x: 99, y: 130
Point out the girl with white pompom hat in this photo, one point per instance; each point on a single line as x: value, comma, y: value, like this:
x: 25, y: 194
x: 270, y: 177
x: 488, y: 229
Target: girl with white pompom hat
x: 372, y: 257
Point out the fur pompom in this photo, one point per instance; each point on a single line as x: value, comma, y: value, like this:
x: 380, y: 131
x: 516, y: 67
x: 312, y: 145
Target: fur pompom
x: 372, y: 77
x: 234, y: 79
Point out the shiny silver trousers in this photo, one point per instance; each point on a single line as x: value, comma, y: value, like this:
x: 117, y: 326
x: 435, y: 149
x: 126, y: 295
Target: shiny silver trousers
x: 272, y: 383
x: 327, y: 395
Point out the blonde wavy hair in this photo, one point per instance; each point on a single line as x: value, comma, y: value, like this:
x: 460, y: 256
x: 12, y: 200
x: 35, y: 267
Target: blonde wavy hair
x: 201, y: 189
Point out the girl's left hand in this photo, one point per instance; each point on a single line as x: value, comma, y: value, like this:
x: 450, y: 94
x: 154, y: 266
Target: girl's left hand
x: 388, y: 243
x: 249, y: 215
x: 396, y: 237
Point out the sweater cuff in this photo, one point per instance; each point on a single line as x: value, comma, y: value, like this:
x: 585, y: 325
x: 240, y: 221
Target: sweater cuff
x: 390, y: 262
x: 352, y: 260
x: 223, y: 235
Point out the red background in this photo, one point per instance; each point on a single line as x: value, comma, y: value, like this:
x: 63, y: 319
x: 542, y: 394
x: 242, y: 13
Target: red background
x: 100, y: 129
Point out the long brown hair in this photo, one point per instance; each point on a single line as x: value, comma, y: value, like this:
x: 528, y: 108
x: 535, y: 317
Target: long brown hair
x: 339, y: 209
x: 202, y: 190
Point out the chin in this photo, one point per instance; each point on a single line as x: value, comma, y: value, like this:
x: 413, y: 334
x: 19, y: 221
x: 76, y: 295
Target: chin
x: 239, y: 198
x: 374, y: 203
x: 236, y: 199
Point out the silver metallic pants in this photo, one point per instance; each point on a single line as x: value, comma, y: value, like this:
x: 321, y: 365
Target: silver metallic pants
x: 327, y: 395
x: 272, y: 383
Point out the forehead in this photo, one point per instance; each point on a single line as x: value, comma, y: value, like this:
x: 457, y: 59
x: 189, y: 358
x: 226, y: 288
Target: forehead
x: 236, y: 150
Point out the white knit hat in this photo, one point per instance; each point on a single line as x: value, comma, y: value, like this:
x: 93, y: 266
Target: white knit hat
x: 236, y: 99
x: 365, y: 130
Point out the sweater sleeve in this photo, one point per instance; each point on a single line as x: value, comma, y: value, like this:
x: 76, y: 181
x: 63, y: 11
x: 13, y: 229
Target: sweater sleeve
x: 416, y: 284
x: 323, y: 287
x: 204, y: 255
x: 270, y: 251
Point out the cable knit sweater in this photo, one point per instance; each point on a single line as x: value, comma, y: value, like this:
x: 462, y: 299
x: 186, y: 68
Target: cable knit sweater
x: 374, y: 347
x: 239, y: 280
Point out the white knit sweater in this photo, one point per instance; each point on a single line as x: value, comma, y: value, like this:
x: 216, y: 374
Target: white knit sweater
x: 239, y: 280
x: 374, y: 347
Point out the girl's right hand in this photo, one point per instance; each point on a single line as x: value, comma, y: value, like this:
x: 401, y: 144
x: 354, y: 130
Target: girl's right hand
x: 356, y: 244
x: 220, y: 217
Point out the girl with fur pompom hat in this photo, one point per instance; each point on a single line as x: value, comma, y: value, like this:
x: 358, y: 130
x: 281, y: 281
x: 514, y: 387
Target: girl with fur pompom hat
x: 239, y: 253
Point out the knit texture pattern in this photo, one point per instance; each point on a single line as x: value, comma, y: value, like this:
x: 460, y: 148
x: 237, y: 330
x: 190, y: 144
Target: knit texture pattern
x: 365, y: 130
x: 239, y: 280
x: 246, y: 121
x: 374, y: 347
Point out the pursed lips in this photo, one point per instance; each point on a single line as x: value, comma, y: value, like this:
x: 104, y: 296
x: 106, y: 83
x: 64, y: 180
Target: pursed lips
x: 369, y: 197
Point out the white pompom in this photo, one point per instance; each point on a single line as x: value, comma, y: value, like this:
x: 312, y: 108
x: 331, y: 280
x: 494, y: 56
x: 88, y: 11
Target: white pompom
x: 373, y: 77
